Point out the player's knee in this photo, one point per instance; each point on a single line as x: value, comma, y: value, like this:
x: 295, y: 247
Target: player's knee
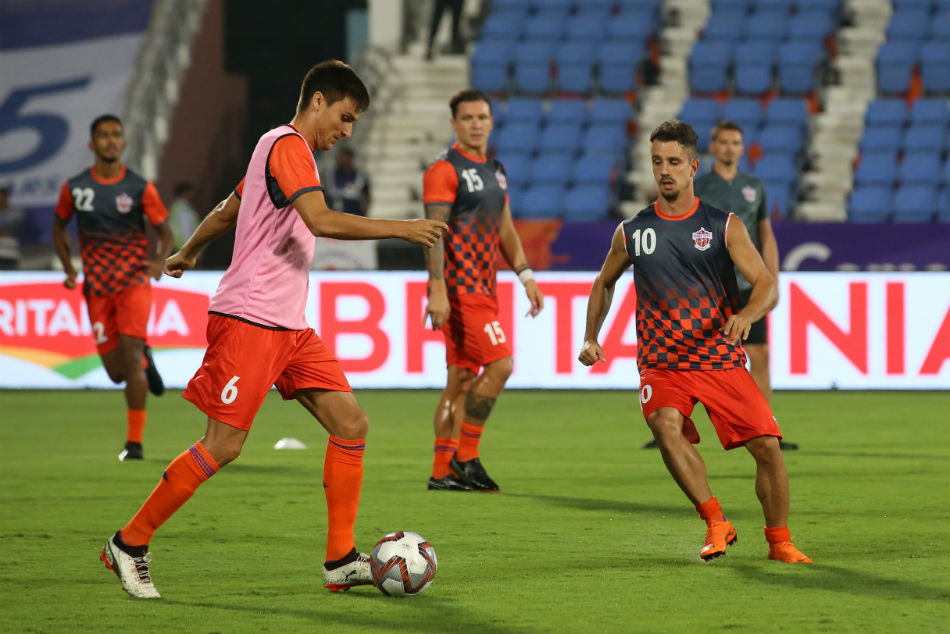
x: 764, y: 448
x: 665, y: 423
x: 354, y: 426
x: 501, y: 369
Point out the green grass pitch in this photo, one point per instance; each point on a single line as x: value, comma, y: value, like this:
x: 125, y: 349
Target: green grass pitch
x: 590, y: 533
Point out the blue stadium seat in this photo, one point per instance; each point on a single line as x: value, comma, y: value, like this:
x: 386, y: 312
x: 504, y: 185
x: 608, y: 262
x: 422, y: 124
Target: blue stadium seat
x: 575, y: 66
x: 877, y: 168
x: 502, y: 25
x: 895, y: 66
x: 489, y: 66
x: 782, y: 139
x: 541, y: 201
x: 797, y: 66
x: 524, y: 110
x: 915, y: 203
x: 728, y: 25
x: 886, y: 111
x: 832, y: 7
x: 700, y: 109
x: 635, y: 25
x: 776, y: 167
x: 533, y: 66
x: 930, y: 111
x: 920, y: 168
x: 777, y: 198
x: 719, y: 6
x: 754, y: 62
x: 606, y: 138
x: 787, y: 110
x: 744, y: 111
x: 940, y: 26
x: 943, y: 205
x: 881, y: 139
x: 607, y: 110
x: 945, y: 174
x: 709, y: 66
x: 561, y: 138
x: 618, y: 62
x: 908, y: 24
x: 568, y: 111
x: 516, y: 167
x: 900, y: 5
x: 600, y: 7
x: 594, y: 168
x: 935, y: 67
x: 926, y: 138
x: 781, y: 6
x: 509, y: 5
x: 552, y: 6
x: 585, y: 203
x: 767, y: 25
x: 587, y: 25
x: 810, y: 25
x: 517, y: 138
x: 870, y: 204
x: 543, y: 26
x: 551, y: 168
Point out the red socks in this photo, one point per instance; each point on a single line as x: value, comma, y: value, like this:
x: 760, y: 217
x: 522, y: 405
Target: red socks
x: 136, y: 425
x: 444, y: 449
x: 342, y: 481
x: 468, y: 442
x: 179, y: 482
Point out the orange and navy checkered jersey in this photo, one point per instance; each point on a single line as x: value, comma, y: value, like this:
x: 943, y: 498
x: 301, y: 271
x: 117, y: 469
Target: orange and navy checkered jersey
x: 289, y: 171
x: 111, y: 215
x: 477, y: 190
x: 686, y: 289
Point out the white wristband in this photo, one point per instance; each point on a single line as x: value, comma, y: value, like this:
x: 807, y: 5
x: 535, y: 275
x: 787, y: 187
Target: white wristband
x: 526, y: 275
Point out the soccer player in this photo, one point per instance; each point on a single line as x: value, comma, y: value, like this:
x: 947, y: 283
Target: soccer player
x: 257, y: 332
x: 470, y: 191
x: 726, y: 187
x: 112, y: 203
x: 684, y: 253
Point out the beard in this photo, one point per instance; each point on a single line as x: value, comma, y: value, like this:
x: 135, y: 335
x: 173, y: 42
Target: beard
x: 670, y: 196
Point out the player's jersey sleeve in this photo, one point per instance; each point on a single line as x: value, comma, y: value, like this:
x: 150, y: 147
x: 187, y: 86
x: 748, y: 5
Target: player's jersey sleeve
x: 440, y: 184
x: 762, y: 213
x: 65, y: 206
x: 239, y: 190
x: 291, y: 165
x: 152, y: 204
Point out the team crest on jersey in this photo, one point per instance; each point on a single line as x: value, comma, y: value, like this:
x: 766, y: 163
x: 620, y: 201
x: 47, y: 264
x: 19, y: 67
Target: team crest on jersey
x: 748, y: 193
x: 123, y: 202
x: 702, y: 239
x: 502, y: 179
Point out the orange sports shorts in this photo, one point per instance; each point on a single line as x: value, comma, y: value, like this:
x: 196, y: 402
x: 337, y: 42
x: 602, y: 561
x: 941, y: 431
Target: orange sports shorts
x: 735, y: 405
x: 473, y: 335
x: 244, y: 360
x: 122, y: 313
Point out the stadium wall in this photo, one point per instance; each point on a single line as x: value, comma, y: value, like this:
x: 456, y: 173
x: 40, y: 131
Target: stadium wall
x: 845, y: 330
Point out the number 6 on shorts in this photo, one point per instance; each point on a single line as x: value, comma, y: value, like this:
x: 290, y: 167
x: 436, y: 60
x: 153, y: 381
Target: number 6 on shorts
x: 230, y: 391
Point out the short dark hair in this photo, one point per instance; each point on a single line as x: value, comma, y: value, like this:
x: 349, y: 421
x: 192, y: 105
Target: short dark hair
x: 336, y: 81
x: 682, y: 133
x: 468, y: 95
x: 725, y: 124
x: 103, y: 118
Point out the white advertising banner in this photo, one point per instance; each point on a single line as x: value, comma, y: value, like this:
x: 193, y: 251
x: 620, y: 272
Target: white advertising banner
x: 845, y: 330
x: 48, y: 97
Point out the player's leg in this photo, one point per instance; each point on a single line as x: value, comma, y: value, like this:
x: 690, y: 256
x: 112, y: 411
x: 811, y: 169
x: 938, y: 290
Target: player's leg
x: 757, y: 349
x: 447, y: 424
x: 347, y: 425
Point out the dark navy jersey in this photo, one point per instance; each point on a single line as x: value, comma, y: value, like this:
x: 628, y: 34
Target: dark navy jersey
x: 111, y: 216
x: 686, y: 289
x: 477, y: 190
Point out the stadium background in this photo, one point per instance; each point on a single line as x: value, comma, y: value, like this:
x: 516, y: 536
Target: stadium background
x: 843, y: 103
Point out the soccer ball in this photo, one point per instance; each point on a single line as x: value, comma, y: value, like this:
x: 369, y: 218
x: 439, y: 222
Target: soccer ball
x: 403, y: 563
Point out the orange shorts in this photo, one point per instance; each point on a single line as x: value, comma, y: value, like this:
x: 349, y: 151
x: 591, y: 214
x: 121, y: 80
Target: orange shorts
x: 473, y: 335
x: 123, y: 313
x: 736, y: 407
x: 243, y: 361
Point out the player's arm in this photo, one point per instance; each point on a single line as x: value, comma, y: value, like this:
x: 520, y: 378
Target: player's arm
x: 221, y: 219
x: 768, y: 246
x: 601, y: 295
x: 323, y: 221
x: 764, y: 289
x: 513, y: 252
x: 64, y: 211
x: 437, y: 306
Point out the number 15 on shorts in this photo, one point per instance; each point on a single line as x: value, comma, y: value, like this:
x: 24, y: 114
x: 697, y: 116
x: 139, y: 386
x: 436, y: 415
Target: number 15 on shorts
x: 495, y: 332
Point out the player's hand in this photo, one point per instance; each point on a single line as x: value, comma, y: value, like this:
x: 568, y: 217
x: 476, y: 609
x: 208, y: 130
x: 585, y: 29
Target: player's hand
x: 70, y: 281
x: 178, y: 264
x: 437, y: 308
x: 154, y: 269
x: 737, y: 328
x: 591, y: 353
x: 424, y: 231
x: 535, y: 297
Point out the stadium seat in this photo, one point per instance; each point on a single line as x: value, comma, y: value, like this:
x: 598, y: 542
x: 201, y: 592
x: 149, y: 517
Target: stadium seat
x: 781, y: 6
x: 767, y: 25
x: 886, y: 111
x: 908, y: 23
x: 797, y: 66
x: 575, y: 67
x: 930, y: 111
x: 585, y: 203
x: 541, y: 201
x: 700, y: 109
x: 551, y: 168
x: 568, y: 111
x: 940, y: 26
x: 725, y: 25
x: 925, y: 138
x: 787, y: 110
x: 777, y: 195
x: 607, y: 110
x: 895, y: 66
x: 776, y: 167
x: 881, y: 139
x: 618, y: 62
x: 810, y: 25
x: 783, y: 139
x: 877, y: 168
x: 709, y: 66
x: 517, y: 138
x: 489, y: 66
x: 552, y: 6
x: 870, y: 204
x: 607, y: 138
x: 935, y: 67
x: 533, y: 66
x: 502, y: 25
x: 719, y: 6
x: 560, y: 138
x: 524, y: 110
x: 920, y: 168
x: 753, y: 67
x: 631, y: 25
x: 587, y: 26
x: 516, y: 168
x: 943, y: 205
x: 915, y: 203
x: 543, y: 26
x: 594, y: 168
x: 744, y: 111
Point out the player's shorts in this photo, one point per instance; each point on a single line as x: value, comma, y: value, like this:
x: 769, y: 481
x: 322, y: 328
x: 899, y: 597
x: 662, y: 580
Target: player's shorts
x: 733, y: 401
x: 244, y: 360
x: 759, y: 332
x: 473, y: 335
x: 122, y: 313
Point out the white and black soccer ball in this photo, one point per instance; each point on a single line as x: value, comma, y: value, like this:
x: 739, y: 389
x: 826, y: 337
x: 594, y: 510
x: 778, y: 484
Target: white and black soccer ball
x: 403, y: 563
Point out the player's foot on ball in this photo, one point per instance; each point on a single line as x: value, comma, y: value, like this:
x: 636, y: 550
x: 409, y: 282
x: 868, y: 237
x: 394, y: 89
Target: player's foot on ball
x: 472, y: 473
x: 130, y: 564
x: 784, y: 445
x: 447, y: 483
x: 132, y: 451
x: 650, y: 444
x: 719, y: 534
x: 155, y: 384
x: 343, y: 574
x: 786, y: 551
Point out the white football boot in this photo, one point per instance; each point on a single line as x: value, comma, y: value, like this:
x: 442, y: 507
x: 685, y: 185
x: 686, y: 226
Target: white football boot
x: 355, y: 573
x: 132, y: 571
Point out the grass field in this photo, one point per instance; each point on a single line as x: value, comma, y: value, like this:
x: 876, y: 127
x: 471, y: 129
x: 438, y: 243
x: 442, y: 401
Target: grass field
x: 590, y: 534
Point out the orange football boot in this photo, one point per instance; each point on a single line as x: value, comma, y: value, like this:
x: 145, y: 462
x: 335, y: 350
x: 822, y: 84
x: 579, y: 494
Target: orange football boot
x: 719, y: 534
